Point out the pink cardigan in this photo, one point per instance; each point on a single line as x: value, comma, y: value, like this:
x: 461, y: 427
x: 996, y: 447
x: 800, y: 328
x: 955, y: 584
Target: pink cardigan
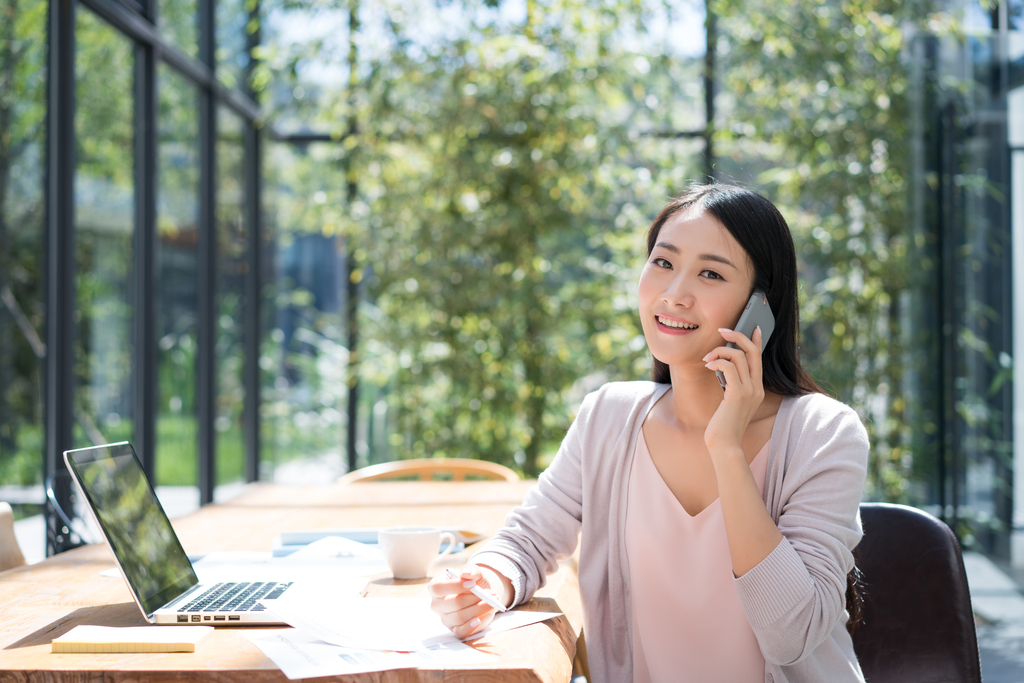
x: 794, y: 599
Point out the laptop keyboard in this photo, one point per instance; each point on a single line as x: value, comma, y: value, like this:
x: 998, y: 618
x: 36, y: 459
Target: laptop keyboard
x: 236, y: 597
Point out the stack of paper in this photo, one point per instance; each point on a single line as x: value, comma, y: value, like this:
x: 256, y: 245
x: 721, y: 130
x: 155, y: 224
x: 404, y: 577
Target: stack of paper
x: 343, y: 635
x: 396, y: 624
x: 301, y: 655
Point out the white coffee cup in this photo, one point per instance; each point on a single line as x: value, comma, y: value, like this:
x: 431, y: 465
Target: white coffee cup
x: 411, y: 550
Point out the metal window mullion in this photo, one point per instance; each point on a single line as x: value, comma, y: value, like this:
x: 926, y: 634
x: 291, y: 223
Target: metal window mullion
x: 352, y: 287
x: 146, y: 271
x: 1004, y: 466
x: 947, y: 237
x: 207, y: 247
x: 252, y: 276
x: 252, y: 308
x: 60, y: 240
x: 709, y: 91
x: 139, y: 28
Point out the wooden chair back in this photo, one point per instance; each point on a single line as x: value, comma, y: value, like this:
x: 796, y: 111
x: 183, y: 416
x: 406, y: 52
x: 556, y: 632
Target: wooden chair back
x: 427, y: 469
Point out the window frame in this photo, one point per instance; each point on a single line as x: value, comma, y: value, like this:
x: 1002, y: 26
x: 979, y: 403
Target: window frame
x: 137, y: 22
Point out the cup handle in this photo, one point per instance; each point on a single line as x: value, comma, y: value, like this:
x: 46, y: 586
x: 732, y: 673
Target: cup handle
x: 450, y: 538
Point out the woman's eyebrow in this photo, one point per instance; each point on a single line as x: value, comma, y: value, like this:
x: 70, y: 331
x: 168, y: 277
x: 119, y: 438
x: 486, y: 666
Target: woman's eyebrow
x: 717, y: 259
x: 703, y: 257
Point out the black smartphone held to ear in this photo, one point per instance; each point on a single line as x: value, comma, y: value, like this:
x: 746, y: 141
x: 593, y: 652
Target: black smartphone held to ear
x: 757, y: 313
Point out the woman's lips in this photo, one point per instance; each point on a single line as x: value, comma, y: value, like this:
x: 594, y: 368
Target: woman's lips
x: 673, y: 330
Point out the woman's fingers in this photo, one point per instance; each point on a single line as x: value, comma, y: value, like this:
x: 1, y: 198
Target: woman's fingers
x: 750, y: 344
x: 460, y: 611
x: 746, y: 359
x: 726, y: 360
x: 441, y: 586
x: 726, y: 368
x: 756, y: 366
x: 453, y: 602
x: 469, y: 620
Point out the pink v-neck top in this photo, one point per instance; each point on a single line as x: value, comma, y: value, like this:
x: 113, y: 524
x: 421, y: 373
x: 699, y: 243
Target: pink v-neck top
x: 688, y: 624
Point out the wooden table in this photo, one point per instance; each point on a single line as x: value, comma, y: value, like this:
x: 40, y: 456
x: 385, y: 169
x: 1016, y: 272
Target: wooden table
x: 43, y: 601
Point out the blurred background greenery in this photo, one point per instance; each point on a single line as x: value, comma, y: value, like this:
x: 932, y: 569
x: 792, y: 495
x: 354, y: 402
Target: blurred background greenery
x: 452, y: 201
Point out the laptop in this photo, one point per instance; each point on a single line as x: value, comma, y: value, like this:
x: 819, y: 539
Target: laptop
x: 148, y: 552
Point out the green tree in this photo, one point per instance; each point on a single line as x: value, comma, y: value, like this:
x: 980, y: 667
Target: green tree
x: 22, y: 134
x: 503, y: 185
x: 818, y: 110
x: 104, y: 231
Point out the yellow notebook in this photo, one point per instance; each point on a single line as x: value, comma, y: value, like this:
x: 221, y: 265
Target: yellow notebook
x: 130, y: 639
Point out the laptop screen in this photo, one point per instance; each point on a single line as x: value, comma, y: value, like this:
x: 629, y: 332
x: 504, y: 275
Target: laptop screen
x: 133, y: 522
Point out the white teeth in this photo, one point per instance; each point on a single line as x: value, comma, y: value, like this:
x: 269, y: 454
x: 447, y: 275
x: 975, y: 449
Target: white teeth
x: 675, y: 323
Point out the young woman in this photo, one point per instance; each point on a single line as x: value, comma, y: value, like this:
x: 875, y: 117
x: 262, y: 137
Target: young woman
x: 716, y: 527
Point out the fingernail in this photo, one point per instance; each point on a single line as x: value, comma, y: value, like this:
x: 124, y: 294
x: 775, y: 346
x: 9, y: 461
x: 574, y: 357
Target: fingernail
x: 474, y: 623
x: 724, y: 329
x: 468, y: 584
x: 705, y: 358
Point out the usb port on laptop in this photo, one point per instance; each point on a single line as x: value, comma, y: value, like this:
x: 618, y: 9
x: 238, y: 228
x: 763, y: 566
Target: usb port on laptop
x: 218, y: 618
x: 234, y: 617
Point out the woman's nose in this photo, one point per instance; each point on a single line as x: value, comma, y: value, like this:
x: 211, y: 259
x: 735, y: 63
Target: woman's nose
x: 678, y: 294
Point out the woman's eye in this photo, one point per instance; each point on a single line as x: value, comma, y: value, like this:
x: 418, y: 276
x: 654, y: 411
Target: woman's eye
x: 661, y: 263
x: 710, y: 274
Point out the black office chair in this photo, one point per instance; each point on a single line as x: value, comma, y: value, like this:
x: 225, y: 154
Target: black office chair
x: 918, y: 626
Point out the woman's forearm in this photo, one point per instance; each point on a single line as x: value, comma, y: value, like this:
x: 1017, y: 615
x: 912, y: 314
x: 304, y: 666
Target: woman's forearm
x: 751, y: 533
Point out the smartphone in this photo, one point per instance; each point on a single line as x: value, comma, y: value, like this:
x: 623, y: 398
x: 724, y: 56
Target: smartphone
x: 757, y: 313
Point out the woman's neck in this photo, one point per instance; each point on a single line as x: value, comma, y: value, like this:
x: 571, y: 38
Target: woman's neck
x: 696, y: 395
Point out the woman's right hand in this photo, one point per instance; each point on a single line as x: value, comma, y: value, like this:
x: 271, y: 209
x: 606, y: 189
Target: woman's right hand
x: 460, y: 610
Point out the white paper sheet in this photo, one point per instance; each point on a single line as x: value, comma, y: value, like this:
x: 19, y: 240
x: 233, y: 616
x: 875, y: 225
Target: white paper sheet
x: 301, y: 655
x: 402, y: 624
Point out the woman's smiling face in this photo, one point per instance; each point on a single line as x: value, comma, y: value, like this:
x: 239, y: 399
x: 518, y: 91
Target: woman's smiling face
x: 696, y: 280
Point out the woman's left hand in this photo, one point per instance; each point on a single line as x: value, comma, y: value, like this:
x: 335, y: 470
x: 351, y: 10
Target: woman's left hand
x: 744, y: 390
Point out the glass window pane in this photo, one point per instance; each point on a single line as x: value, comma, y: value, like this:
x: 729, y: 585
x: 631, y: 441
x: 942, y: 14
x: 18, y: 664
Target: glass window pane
x: 303, y: 358
x: 178, y: 259
x: 232, y: 31
x: 1017, y: 236
x: 493, y: 166
x: 232, y: 243
x: 22, y: 167
x: 1015, y: 117
x: 178, y: 23
x: 1015, y: 13
x: 104, y: 225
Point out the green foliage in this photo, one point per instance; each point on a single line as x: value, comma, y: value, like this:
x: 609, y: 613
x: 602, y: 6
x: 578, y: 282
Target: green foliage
x: 104, y: 224
x: 820, y: 111
x: 22, y: 151
x: 490, y: 180
x: 502, y: 190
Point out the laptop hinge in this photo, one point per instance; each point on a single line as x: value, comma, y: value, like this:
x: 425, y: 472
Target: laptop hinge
x: 182, y: 596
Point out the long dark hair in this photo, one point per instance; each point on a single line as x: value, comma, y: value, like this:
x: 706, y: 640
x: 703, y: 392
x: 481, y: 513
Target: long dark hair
x: 760, y: 229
